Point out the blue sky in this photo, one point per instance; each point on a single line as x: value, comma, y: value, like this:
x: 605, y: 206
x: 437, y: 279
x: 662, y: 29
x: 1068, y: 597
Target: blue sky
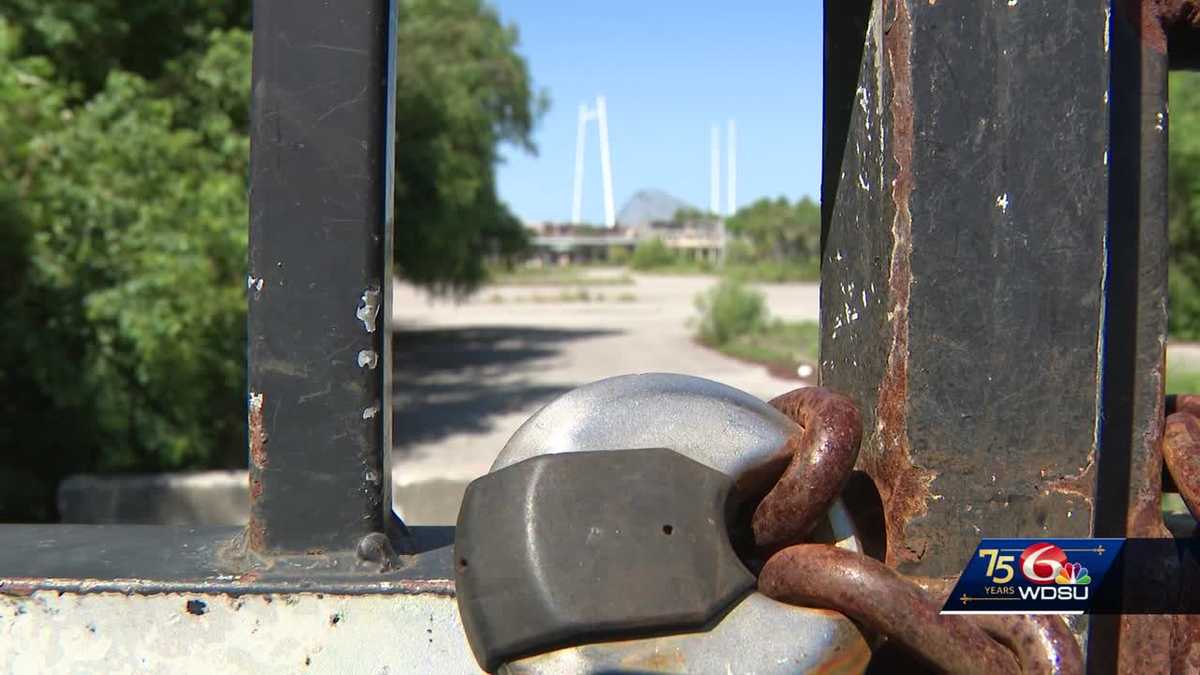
x: 668, y: 69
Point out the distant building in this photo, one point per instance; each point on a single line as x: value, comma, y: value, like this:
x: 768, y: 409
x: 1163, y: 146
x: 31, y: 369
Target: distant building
x: 698, y: 239
x: 564, y: 244
x: 649, y: 214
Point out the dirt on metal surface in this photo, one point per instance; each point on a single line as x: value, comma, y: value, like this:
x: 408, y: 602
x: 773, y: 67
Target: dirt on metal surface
x: 196, y: 631
x: 822, y: 456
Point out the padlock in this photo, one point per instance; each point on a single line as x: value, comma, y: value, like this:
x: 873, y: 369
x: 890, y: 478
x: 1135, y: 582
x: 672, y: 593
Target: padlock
x: 600, y: 539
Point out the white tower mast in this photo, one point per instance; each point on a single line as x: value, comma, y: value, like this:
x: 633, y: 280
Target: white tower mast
x: 610, y: 218
x: 580, y: 139
x: 731, y: 206
x: 714, y: 177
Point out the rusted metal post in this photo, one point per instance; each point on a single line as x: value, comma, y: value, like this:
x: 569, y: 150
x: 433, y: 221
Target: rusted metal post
x: 1130, y: 477
x: 965, y: 215
x: 319, y: 284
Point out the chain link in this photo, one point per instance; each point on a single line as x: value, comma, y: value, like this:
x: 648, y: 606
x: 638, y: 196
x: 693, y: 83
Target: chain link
x: 904, y: 610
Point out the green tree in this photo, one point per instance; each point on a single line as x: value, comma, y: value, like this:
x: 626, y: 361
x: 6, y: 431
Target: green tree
x: 780, y: 230
x: 689, y: 214
x: 1184, y: 205
x: 124, y: 320
x: 463, y: 91
x: 123, y: 165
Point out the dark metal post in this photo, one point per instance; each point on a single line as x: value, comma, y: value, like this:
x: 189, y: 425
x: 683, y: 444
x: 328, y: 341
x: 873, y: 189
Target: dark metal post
x: 966, y: 214
x: 320, y: 274
x: 1129, y: 481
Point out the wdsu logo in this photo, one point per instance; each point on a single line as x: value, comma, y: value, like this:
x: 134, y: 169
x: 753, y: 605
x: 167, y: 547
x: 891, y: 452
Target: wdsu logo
x: 1032, y: 576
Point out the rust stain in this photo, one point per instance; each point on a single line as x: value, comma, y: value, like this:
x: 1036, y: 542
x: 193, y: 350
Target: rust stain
x: 256, y: 534
x: 1185, y: 639
x: 1189, y: 403
x: 903, y: 487
x: 258, y: 435
x: 1145, y: 644
x: 17, y: 588
x: 1041, y: 643
x: 866, y: 590
x: 1181, y: 452
x: 255, y: 530
x: 845, y: 661
x: 1145, y: 472
x: 656, y: 662
x: 1156, y: 17
x: 1080, y: 484
x: 822, y: 453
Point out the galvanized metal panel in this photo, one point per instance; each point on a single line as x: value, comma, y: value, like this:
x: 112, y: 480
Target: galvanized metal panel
x: 196, y: 632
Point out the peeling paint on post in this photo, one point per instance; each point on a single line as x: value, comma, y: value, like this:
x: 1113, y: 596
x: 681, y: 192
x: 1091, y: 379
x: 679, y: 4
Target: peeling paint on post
x: 320, y: 224
x: 975, y: 354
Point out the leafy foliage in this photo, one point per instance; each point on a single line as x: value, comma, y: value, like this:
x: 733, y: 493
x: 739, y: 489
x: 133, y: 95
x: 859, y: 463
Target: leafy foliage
x: 689, y: 214
x: 779, y: 230
x: 124, y: 321
x: 123, y: 165
x: 462, y: 91
x: 729, y: 310
x: 652, y: 254
x: 1184, y: 205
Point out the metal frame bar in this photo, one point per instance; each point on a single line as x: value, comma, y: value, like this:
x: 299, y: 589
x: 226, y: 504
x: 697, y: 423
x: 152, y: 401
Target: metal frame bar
x: 320, y: 205
x: 319, y: 295
x: 962, y: 265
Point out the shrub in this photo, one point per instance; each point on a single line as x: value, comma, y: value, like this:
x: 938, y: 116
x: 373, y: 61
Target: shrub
x: 729, y: 310
x: 618, y: 255
x: 651, y: 254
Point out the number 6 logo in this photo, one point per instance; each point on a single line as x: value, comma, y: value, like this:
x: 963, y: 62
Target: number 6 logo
x: 1041, y: 563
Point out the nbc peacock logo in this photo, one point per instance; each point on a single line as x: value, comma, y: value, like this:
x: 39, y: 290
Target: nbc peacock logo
x: 1073, y: 574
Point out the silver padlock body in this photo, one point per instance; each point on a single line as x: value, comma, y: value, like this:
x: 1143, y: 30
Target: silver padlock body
x: 730, y: 431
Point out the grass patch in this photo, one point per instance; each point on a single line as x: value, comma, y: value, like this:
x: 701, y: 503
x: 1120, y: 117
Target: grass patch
x: 775, y: 272
x: 734, y: 321
x: 782, y: 346
x: 1181, y: 379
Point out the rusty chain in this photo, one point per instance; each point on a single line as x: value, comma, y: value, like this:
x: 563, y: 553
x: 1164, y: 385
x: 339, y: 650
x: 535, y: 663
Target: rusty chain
x: 1181, y: 458
x: 1181, y: 448
x: 819, y: 459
